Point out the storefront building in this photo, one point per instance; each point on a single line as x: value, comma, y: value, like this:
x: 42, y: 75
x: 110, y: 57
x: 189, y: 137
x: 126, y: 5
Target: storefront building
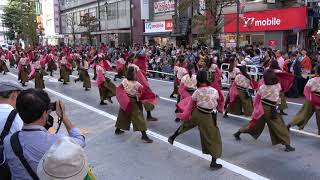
x: 158, y: 26
x: 159, y: 32
x: 71, y: 14
x: 283, y: 29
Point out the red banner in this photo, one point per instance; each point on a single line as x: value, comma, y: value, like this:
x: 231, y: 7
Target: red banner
x: 268, y: 20
x: 273, y: 43
x: 168, y: 25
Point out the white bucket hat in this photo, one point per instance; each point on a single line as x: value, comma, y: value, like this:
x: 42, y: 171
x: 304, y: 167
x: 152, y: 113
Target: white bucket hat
x: 64, y: 160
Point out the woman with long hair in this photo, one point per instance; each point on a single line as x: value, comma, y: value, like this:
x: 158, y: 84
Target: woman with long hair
x: 38, y: 78
x: 51, y: 63
x: 205, y: 117
x: 84, y: 67
x: 65, y: 69
x: 189, y: 81
x: 106, y: 88
x: 188, y: 84
x: 233, y: 71
x: 120, y: 63
x: 240, y: 101
x: 23, y: 68
x: 283, y: 105
x: 176, y: 68
x: 311, y: 104
x: 3, y: 65
x: 265, y: 112
x: 131, y: 110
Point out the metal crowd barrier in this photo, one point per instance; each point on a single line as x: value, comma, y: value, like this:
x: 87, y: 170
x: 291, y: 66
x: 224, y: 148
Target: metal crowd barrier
x: 255, y: 72
x: 160, y: 72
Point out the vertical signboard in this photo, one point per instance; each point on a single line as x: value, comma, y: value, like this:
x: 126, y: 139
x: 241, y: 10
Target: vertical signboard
x: 56, y: 15
x: 163, y: 6
x: 144, y: 9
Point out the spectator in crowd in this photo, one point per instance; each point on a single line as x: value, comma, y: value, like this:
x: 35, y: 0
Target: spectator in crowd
x: 318, y: 59
x: 34, y: 107
x: 280, y: 59
x: 9, y: 91
x: 64, y: 160
x: 10, y: 122
x: 306, y: 67
x: 256, y: 58
x: 295, y: 68
x: 286, y: 62
x: 248, y: 57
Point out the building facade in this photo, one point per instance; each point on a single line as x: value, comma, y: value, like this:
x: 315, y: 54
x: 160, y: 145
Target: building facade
x: 3, y: 39
x: 51, y: 22
x: 71, y: 14
x: 164, y: 24
x: 113, y: 21
x: 281, y: 25
x: 159, y: 25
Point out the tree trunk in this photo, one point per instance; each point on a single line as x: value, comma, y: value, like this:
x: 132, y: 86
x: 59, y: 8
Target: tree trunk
x: 74, y: 39
x: 212, y: 19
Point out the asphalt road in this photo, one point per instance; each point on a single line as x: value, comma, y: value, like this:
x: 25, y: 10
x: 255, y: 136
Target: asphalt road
x: 126, y: 157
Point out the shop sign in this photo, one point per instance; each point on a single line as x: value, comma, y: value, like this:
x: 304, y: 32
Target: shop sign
x: 56, y: 15
x: 163, y: 6
x: 160, y: 26
x: 268, y: 20
x: 144, y: 6
x: 273, y: 43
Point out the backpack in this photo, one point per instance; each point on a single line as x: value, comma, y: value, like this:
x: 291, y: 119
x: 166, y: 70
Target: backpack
x: 4, y: 168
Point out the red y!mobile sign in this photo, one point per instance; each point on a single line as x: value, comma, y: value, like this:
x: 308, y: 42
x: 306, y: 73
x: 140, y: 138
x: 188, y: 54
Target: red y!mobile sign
x: 268, y: 20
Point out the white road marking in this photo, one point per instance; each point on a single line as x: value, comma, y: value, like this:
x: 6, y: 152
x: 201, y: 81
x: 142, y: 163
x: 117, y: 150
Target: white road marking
x: 167, y: 99
x: 169, y: 82
x: 50, y: 79
x: 291, y: 129
x: 232, y: 115
x: 293, y: 103
x: 227, y: 165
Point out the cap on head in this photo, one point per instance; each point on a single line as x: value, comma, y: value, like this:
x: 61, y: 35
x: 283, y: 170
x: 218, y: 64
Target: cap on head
x: 8, y: 85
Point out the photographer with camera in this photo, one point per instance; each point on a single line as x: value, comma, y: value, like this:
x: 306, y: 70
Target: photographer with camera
x: 25, y: 148
x: 10, y: 122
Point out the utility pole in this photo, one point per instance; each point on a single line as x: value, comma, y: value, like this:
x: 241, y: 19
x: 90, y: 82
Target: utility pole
x: 238, y: 24
x: 131, y: 28
x: 99, y: 21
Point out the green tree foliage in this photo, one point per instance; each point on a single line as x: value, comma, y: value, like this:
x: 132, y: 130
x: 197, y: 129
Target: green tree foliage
x: 209, y: 23
x: 90, y: 23
x: 21, y: 20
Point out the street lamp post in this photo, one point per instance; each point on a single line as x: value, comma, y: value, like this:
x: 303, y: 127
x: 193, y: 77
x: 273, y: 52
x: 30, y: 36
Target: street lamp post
x: 238, y: 24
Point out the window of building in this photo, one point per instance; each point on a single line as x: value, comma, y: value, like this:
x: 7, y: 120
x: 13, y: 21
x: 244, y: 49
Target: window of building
x: 93, y: 12
x: 122, y: 5
x: 77, y: 17
x: 112, y: 11
x: 82, y: 13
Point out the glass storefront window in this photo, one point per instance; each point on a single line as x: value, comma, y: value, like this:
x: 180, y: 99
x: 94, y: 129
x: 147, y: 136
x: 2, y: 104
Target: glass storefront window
x: 257, y: 39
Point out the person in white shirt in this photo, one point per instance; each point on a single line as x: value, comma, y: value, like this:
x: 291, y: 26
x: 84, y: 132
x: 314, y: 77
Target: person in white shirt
x: 9, y: 91
x: 280, y: 59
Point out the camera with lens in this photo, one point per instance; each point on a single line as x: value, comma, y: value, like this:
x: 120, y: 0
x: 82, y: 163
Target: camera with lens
x: 50, y: 120
x: 52, y: 106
